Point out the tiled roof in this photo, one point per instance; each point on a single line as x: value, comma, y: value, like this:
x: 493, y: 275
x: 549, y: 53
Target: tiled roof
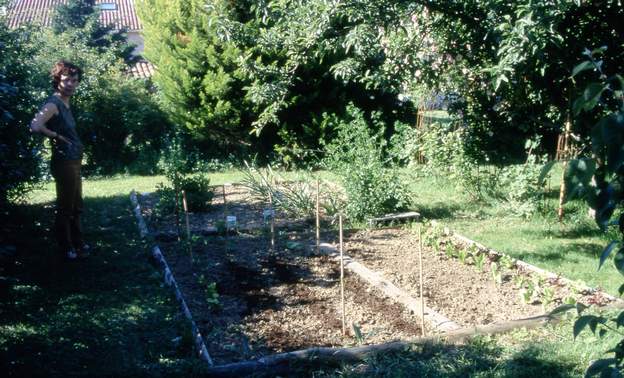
x: 142, y: 70
x: 41, y: 11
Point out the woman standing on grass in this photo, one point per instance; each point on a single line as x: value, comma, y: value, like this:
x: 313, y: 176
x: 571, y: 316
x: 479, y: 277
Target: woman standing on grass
x: 56, y: 121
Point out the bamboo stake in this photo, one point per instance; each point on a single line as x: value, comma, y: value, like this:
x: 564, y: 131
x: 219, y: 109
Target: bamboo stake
x: 562, y: 188
x: 188, y: 228
x: 422, y: 294
x: 224, y: 203
x: 318, y: 218
x: 272, y: 222
x: 177, y: 210
x: 225, y: 218
x: 342, y: 297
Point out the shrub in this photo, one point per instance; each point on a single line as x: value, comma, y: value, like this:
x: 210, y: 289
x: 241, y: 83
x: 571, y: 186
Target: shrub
x: 517, y: 188
x: 199, y: 194
x: 19, y: 151
x: 372, y: 186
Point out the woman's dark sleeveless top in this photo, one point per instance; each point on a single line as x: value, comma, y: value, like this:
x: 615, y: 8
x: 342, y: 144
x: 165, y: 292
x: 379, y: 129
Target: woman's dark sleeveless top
x: 63, y: 123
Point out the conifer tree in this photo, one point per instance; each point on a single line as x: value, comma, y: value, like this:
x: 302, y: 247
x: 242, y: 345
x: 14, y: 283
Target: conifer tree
x: 200, y: 82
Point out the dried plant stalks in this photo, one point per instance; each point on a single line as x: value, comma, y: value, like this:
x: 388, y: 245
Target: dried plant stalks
x: 272, y: 222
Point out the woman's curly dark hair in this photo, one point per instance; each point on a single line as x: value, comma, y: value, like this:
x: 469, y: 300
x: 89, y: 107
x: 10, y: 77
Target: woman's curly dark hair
x: 63, y: 67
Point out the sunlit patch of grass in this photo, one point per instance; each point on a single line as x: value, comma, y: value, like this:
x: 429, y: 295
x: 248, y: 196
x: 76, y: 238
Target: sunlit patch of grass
x: 570, y: 248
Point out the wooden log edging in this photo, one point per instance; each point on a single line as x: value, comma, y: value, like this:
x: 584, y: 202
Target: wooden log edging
x: 137, y: 213
x: 282, y: 362
x: 171, y: 281
x: 438, y: 321
x: 617, y: 302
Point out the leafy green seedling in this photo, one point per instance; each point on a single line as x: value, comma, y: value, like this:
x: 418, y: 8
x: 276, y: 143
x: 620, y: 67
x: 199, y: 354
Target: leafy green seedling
x: 519, y: 281
x: 480, y: 261
x: 462, y: 255
x: 508, y: 262
x: 357, y: 333
x: 527, y: 292
x: 210, y: 291
x: 569, y: 300
x: 548, y: 296
x: 497, y: 274
x: 449, y: 250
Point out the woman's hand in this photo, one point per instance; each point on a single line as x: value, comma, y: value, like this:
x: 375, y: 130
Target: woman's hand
x: 62, y: 139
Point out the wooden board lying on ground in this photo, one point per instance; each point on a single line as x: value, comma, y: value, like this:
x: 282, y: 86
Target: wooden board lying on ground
x: 412, y: 215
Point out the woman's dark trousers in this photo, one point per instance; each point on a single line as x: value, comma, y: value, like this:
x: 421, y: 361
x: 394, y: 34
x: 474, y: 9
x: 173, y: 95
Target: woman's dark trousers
x: 68, y: 203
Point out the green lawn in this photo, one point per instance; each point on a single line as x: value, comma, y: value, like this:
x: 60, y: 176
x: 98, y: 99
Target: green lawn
x: 108, y: 315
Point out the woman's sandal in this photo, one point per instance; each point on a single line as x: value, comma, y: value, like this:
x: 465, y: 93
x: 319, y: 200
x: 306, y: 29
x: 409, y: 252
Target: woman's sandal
x: 71, y: 254
x: 84, y: 251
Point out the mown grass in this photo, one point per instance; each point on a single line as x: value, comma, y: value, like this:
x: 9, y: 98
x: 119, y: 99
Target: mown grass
x: 108, y: 315
x: 570, y: 248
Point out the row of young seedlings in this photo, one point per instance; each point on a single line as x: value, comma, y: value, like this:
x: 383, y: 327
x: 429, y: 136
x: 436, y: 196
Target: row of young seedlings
x: 533, y: 287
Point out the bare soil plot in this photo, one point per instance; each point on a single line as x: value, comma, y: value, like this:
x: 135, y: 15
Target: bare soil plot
x: 458, y: 291
x: 285, y: 301
x: 271, y: 302
x: 289, y: 299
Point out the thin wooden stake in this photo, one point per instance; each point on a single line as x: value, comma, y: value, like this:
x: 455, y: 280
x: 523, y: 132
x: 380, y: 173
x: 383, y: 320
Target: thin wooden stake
x: 562, y: 188
x: 342, y: 297
x: 177, y: 210
x: 318, y: 217
x: 272, y: 222
x: 188, y: 228
x: 422, y: 294
x: 225, y: 218
x: 224, y: 203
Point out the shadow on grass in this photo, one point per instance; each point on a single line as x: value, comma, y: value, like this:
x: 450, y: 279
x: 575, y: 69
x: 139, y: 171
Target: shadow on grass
x: 438, y: 210
x: 103, y: 316
x: 562, y: 252
x: 477, y: 358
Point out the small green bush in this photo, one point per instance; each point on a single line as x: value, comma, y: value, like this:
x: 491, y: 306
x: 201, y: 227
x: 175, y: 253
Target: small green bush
x: 199, y: 194
x: 373, y: 186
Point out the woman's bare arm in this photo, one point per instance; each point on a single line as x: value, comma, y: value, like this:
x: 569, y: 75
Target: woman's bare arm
x: 38, y: 124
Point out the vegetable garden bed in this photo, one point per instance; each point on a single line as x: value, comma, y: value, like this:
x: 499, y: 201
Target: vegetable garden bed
x: 287, y: 298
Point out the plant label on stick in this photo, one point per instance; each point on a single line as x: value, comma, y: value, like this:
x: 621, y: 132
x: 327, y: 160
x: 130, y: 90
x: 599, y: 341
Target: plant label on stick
x: 268, y: 214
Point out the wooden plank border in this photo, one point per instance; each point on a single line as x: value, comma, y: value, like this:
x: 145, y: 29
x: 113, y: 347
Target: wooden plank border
x: 171, y: 281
